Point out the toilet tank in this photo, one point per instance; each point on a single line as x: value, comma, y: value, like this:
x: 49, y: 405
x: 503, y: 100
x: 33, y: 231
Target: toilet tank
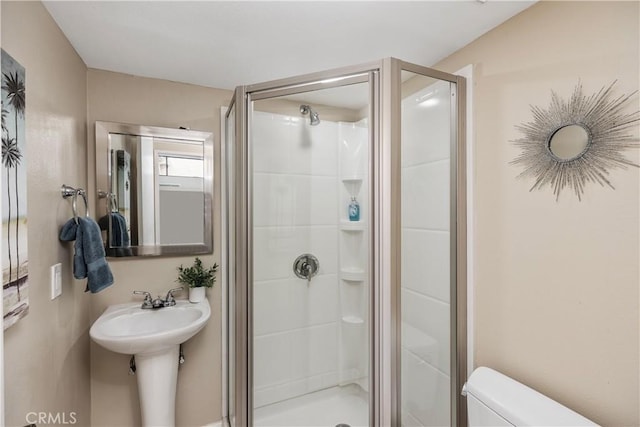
x: 493, y: 399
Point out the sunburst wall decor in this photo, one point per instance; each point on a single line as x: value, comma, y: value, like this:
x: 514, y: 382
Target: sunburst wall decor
x: 598, y: 120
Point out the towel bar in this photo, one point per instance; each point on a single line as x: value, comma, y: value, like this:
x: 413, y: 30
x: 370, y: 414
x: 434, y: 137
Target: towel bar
x: 68, y: 191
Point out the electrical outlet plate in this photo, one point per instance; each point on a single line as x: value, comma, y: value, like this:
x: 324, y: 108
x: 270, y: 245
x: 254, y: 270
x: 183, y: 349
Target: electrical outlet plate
x: 56, y: 281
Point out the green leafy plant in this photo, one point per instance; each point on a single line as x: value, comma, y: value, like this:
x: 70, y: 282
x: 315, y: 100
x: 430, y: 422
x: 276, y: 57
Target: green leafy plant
x: 197, y: 276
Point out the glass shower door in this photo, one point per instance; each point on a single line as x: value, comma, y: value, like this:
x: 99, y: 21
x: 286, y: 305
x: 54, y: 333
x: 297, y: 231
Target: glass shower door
x: 310, y: 210
x: 428, y: 234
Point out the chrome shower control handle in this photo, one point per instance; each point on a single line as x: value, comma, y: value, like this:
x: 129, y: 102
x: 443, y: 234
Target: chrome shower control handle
x: 306, y: 266
x: 305, y: 270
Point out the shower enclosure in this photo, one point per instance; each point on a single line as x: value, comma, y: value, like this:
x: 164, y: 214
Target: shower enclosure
x: 345, y: 249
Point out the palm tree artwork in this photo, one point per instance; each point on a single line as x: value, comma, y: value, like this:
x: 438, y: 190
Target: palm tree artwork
x: 14, y: 209
x: 8, y: 146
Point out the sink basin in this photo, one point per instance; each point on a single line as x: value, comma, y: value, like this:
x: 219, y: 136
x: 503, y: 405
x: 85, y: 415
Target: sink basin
x: 129, y: 329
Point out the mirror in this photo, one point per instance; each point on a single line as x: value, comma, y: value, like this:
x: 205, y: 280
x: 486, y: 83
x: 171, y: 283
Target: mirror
x: 577, y: 141
x: 155, y: 189
x: 569, y: 142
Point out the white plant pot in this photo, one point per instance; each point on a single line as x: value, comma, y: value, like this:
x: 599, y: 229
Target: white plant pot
x: 197, y: 294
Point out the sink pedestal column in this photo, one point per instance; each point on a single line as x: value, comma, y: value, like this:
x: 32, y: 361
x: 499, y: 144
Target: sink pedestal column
x: 157, y: 379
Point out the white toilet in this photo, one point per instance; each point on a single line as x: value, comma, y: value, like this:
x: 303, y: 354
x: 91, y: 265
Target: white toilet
x: 496, y: 400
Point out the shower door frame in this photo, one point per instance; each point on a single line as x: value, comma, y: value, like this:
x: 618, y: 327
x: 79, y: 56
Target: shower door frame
x: 457, y: 230
x: 384, y: 235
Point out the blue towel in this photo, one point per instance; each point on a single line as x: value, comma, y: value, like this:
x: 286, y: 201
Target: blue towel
x: 88, y: 260
x: 119, y: 230
x: 119, y: 241
x: 118, y: 235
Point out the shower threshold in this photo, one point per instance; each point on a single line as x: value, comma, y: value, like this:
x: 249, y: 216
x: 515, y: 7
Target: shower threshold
x: 325, y: 408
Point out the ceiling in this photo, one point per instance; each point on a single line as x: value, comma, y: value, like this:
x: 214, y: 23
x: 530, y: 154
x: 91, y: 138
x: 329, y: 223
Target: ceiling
x: 224, y: 44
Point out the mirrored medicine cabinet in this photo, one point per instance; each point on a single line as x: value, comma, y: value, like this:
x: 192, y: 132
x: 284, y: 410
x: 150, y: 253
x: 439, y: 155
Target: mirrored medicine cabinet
x: 155, y: 190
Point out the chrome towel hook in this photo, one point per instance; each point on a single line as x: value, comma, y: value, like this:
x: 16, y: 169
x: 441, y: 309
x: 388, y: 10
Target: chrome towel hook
x: 112, y: 200
x: 68, y: 191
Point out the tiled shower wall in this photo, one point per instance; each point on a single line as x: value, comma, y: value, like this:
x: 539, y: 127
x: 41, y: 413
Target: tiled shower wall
x: 425, y: 257
x: 296, y: 324
x: 297, y: 208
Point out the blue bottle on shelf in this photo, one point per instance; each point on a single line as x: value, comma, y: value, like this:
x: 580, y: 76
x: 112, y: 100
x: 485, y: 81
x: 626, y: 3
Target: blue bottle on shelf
x: 354, y: 210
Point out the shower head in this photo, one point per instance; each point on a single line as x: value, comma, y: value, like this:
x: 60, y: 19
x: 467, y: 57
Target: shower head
x: 314, y: 118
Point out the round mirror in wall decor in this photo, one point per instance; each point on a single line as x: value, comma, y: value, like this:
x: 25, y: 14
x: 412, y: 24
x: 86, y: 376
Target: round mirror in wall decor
x: 577, y: 141
x: 569, y: 142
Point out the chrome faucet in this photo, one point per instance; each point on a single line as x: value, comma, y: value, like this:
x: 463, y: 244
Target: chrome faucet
x: 170, y: 300
x: 149, y: 302
x: 157, y: 303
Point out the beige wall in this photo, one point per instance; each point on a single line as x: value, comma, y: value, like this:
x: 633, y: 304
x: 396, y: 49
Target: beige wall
x: 556, y: 282
x: 128, y: 99
x: 47, y: 352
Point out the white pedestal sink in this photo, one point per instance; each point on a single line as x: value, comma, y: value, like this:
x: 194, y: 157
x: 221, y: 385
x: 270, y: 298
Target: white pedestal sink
x: 154, y: 337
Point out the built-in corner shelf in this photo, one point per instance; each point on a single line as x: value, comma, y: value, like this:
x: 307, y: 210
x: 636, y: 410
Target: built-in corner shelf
x: 352, y: 180
x: 352, y: 274
x: 354, y: 226
x: 352, y: 320
x: 352, y: 184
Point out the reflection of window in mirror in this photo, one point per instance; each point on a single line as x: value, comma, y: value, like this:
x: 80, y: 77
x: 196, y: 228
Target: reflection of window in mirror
x: 179, y: 192
x: 169, y: 165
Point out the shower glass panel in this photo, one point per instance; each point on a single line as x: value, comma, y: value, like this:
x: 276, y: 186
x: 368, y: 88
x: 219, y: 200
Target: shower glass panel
x: 428, y: 135
x: 310, y: 157
x: 345, y: 249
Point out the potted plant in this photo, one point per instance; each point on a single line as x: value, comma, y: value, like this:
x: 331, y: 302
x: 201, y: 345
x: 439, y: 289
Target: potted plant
x: 197, y: 278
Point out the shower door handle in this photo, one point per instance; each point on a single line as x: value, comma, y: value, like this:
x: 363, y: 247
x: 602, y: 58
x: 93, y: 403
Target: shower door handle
x: 306, y: 266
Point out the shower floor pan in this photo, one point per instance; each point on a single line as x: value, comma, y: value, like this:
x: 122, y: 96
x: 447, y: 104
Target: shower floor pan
x: 325, y: 408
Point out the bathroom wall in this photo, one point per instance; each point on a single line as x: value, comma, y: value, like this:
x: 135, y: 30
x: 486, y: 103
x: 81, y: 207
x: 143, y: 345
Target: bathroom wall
x: 46, y: 354
x: 295, y: 212
x: 557, y: 298
x: 308, y: 336
x: 426, y: 148
x: 128, y: 99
